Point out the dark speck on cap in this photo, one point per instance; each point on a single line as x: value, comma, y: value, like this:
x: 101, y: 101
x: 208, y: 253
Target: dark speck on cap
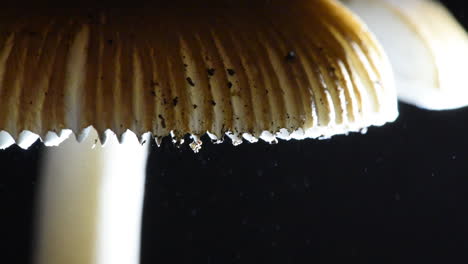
x: 190, y: 81
x: 211, y: 71
x: 291, y: 56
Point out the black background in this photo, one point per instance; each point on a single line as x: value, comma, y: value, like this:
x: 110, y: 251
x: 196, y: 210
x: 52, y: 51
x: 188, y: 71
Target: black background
x: 398, y: 194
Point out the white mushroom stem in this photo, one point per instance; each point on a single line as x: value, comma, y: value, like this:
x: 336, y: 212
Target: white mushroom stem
x: 91, y: 201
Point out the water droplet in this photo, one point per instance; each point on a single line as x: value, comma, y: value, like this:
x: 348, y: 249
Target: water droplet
x: 194, y: 212
x: 245, y: 220
x: 397, y: 197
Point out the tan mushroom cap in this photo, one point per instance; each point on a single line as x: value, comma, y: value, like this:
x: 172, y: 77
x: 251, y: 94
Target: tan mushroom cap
x: 287, y: 69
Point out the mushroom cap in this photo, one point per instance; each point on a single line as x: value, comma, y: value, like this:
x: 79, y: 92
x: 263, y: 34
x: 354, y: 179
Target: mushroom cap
x: 295, y: 69
x: 430, y: 54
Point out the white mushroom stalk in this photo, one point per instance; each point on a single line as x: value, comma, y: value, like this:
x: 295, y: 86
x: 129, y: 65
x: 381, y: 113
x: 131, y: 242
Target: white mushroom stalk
x: 91, y: 201
x: 427, y: 47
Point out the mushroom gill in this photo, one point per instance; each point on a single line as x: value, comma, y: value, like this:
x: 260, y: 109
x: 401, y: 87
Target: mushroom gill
x: 286, y: 69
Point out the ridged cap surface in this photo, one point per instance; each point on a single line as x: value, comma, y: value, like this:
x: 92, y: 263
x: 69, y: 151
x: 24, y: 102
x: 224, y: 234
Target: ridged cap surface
x: 271, y: 69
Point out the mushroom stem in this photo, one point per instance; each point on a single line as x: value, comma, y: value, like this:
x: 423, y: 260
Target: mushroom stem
x: 91, y: 201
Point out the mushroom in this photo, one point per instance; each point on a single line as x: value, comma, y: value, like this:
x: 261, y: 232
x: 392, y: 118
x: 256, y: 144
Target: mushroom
x: 268, y: 70
x: 91, y: 201
x: 427, y: 47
